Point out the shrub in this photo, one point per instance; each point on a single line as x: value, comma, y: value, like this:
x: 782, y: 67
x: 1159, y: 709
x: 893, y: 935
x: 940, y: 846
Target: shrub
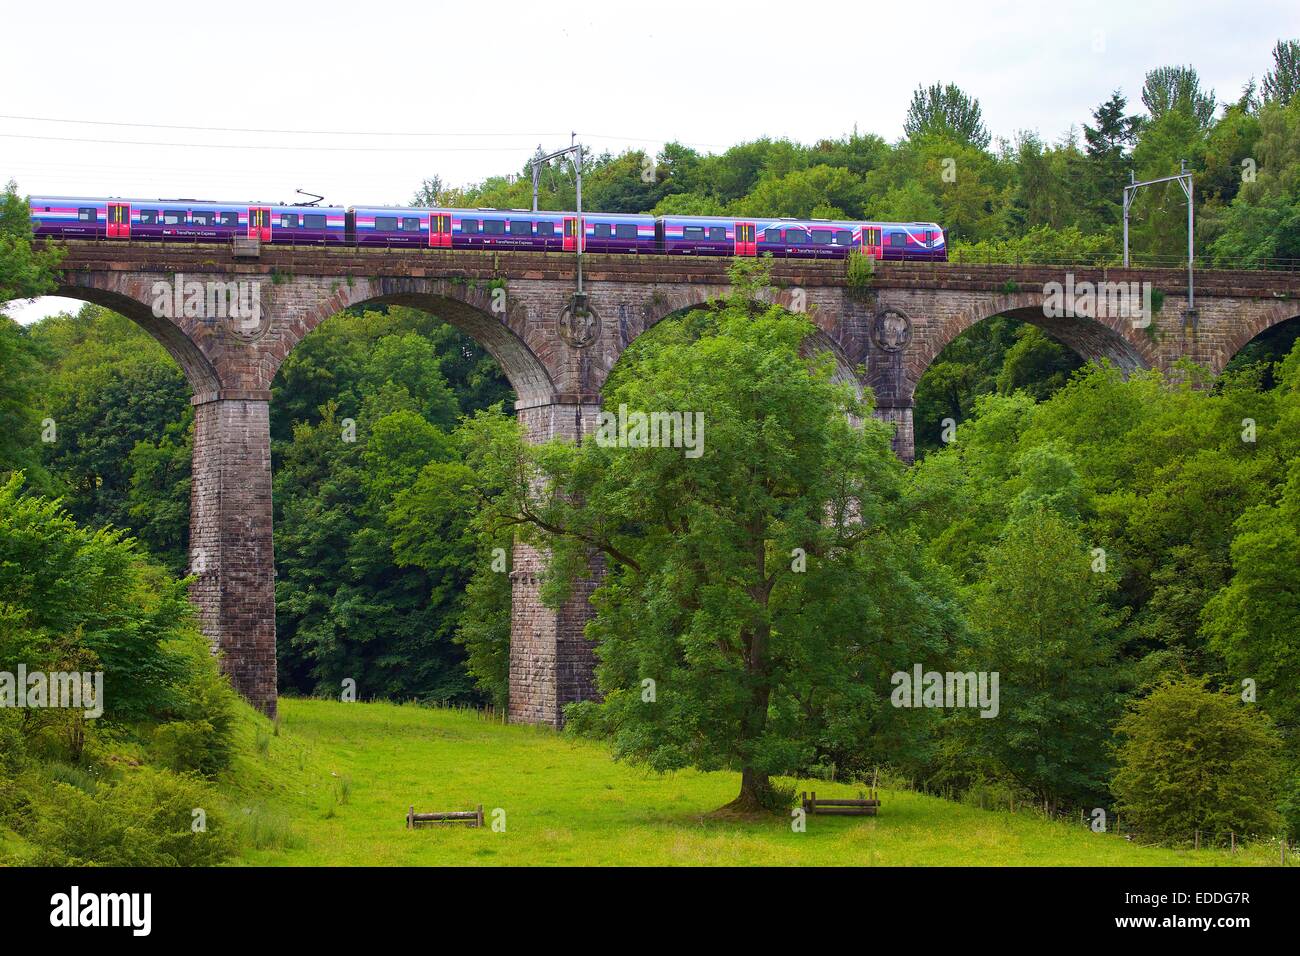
x: 145, y: 819
x: 861, y: 272
x: 1192, y: 759
x: 202, y: 738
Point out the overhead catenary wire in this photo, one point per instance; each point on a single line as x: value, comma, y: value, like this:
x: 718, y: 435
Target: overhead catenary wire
x: 263, y: 146
x: 123, y: 124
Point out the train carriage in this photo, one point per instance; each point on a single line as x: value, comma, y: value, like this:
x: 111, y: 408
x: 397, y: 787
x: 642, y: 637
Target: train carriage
x: 450, y: 228
x: 911, y: 240
x: 808, y: 238
x: 83, y: 218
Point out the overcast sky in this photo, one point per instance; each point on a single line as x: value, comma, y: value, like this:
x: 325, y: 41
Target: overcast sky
x: 486, y: 82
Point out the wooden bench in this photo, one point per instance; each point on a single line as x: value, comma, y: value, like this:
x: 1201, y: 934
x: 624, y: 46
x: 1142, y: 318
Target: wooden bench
x: 864, y: 807
x: 473, y: 818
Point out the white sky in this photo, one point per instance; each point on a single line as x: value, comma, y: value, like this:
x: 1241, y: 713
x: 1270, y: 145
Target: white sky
x: 494, y: 78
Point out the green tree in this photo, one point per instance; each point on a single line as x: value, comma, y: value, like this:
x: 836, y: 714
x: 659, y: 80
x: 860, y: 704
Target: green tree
x: 1039, y: 618
x: 1281, y: 82
x: 1252, y: 621
x: 1171, y: 89
x: 946, y: 110
x: 761, y: 586
x: 1109, y: 146
x: 24, y: 272
x: 1190, y: 759
x: 109, y: 386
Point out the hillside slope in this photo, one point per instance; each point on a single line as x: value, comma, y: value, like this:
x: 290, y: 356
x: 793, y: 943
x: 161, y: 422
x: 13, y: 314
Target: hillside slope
x: 333, y: 787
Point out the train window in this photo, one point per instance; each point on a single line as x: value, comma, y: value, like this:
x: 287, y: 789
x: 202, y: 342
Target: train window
x: 173, y: 217
x: 602, y: 230
x: 843, y: 237
x: 227, y: 219
x: 385, y: 223
x: 693, y: 232
x: 546, y: 229
x: 520, y: 227
x: 771, y: 235
x: 409, y: 224
x: 88, y: 214
x: 795, y: 237
x: 625, y: 230
x: 288, y: 220
x: 469, y: 227
x: 316, y: 220
x: 494, y: 227
x: 202, y: 218
x: 821, y: 237
x: 717, y: 233
x: 897, y: 239
x: 148, y: 217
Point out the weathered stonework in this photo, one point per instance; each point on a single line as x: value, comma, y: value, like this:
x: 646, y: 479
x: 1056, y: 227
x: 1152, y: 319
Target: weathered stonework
x: 884, y: 337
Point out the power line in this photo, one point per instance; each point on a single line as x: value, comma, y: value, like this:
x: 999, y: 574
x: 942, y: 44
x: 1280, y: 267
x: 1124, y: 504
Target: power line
x: 317, y: 149
x: 239, y: 129
x: 327, y: 132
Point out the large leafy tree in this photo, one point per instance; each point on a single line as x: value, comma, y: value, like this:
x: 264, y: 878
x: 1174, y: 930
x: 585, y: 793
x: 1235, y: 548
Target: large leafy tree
x: 24, y: 272
x: 108, y: 387
x: 763, y: 588
x: 1178, y: 88
x: 1282, y: 82
x: 1039, y: 619
x: 947, y: 110
x: 1252, y: 621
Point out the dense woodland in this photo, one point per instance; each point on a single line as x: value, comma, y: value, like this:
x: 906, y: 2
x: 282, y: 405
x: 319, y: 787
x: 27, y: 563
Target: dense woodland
x: 1126, y: 552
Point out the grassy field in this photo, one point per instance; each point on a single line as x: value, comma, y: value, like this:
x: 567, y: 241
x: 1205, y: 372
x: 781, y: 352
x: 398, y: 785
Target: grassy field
x: 334, y: 785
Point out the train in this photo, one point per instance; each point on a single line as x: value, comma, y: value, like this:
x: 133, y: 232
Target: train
x: 398, y: 226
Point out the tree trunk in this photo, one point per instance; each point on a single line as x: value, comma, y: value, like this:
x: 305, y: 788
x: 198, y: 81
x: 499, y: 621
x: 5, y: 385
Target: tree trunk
x: 755, y: 788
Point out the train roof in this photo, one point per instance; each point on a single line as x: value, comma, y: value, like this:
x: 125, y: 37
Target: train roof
x: 480, y: 210
x: 179, y: 200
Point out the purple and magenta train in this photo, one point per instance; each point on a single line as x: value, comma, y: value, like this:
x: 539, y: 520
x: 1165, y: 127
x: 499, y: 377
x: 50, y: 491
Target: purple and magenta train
x: 75, y: 218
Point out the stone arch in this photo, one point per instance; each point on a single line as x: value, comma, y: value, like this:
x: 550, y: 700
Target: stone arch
x: 672, y: 305
x: 129, y: 298
x: 1093, y: 339
x: 518, y: 345
x: 1254, y: 323
x: 679, y: 300
x: 845, y: 372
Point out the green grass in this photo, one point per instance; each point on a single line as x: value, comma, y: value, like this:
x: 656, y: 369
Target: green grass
x: 334, y: 786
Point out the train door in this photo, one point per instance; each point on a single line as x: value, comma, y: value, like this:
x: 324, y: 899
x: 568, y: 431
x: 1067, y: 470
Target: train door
x: 570, y: 233
x: 259, y: 223
x: 871, y: 241
x: 119, y: 221
x: 746, y: 239
x: 440, y: 230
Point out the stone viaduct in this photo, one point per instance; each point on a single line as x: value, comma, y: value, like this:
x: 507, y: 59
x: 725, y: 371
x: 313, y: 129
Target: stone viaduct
x: 514, y: 305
